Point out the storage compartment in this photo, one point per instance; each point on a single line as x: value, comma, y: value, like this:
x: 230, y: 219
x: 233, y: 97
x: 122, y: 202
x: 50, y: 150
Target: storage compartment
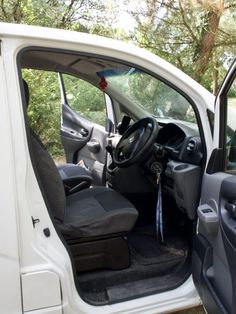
x: 186, y: 185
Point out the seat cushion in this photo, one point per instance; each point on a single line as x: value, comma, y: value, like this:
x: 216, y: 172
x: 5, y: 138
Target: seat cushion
x: 97, y: 211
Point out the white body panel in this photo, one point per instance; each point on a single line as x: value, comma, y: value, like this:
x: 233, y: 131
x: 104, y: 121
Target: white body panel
x: 40, y: 290
x: 10, y: 292
x: 49, y: 310
x: 23, y: 198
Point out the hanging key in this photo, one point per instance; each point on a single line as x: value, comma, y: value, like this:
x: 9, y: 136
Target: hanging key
x: 158, y: 176
x: 157, y: 169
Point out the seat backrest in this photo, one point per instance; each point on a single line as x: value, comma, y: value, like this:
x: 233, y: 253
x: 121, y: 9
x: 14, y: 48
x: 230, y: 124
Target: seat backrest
x: 47, y: 174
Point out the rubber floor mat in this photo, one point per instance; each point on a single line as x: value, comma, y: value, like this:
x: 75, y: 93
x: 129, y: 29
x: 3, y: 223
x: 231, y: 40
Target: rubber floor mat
x: 147, y: 250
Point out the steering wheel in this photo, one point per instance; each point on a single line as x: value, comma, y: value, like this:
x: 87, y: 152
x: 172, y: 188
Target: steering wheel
x: 136, y: 142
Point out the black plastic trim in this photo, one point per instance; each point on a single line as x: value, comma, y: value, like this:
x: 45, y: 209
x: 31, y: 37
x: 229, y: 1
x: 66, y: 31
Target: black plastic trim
x: 223, y: 117
x: 211, y: 117
x: 215, y: 161
x: 228, y: 223
x: 111, y: 253
x: 202, y: 260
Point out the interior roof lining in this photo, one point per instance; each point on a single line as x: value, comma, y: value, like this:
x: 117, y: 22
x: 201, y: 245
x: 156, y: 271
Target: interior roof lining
x: 61, y: 62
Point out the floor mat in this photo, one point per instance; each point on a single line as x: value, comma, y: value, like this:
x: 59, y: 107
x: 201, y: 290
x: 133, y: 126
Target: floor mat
x: 154, y: 267
x: 147, y: 250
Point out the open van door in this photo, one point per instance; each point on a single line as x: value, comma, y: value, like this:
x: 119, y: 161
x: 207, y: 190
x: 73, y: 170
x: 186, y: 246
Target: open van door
x: 83, y: 125
x: 214, y: 255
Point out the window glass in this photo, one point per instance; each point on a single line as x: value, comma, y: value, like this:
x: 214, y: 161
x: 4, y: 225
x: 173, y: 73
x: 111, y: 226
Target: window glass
x: 230, y: 136
x: 86, y: 99
x: 154, y: 96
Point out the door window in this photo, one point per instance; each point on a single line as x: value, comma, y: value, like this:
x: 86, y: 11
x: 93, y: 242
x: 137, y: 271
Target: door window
x: 230, y: 134
x: 85, y: 99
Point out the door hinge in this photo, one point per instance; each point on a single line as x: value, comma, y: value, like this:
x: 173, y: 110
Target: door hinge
x: 35, y: 221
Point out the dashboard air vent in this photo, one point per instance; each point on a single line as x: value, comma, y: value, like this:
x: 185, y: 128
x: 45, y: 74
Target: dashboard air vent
x: 191, y: 146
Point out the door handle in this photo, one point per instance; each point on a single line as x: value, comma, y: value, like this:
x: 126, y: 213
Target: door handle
x: 93, y: 146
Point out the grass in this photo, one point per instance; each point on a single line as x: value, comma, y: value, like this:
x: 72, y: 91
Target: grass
x: 59, y: 160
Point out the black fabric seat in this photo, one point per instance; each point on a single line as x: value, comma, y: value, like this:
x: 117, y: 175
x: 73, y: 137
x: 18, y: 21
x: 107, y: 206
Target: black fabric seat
x: 93, y: 212
x: 97, y: 211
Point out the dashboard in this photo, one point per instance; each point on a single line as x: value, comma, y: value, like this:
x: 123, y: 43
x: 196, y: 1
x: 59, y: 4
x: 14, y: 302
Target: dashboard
x: 181, y: 142
x: 178, y: 153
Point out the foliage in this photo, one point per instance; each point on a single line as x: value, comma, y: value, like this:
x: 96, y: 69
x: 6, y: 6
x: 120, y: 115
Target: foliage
x: 153, y: 95
x: 44, y: 110
x: 193, y: 35
x: 66, y: 14
x: 198, y: 36
x: 85, y: 99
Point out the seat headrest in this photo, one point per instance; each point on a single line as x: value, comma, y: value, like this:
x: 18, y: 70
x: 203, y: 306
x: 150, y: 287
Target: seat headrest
x: 26, y: 90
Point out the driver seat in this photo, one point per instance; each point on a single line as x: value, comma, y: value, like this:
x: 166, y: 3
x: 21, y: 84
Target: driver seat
x: 93, y: 221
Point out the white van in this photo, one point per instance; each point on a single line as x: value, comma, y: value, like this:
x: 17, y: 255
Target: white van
x: 142, y: 212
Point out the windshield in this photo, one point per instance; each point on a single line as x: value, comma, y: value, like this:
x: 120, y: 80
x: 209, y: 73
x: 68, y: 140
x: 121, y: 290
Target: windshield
x: 156, y: 97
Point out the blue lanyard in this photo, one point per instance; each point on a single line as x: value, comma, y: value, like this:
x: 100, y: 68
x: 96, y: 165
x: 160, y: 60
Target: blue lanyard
x: 159, y: 216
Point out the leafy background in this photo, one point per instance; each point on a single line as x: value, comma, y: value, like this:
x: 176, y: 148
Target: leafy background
x: 197, y: 36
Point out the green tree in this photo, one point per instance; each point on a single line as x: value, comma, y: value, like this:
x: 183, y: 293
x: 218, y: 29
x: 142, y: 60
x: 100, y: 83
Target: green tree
x: 66, y: 14
x: 198, y: 36
x: 85, y: 99
x: 44, y: 110
x: 192, y: 35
